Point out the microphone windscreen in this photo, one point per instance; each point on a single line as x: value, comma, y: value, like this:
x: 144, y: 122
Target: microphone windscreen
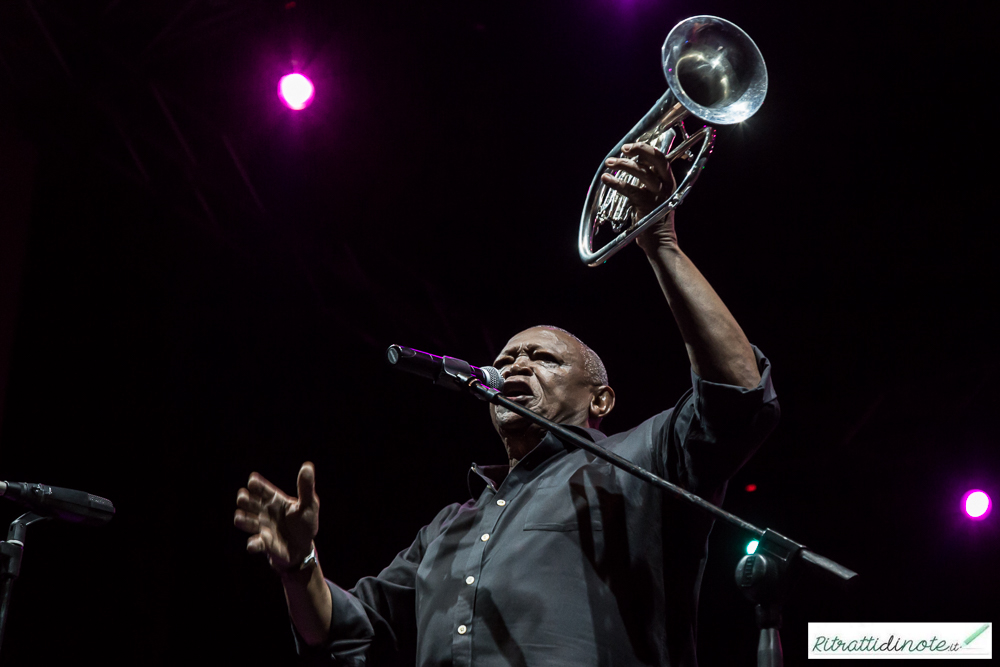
x: 493, y: 379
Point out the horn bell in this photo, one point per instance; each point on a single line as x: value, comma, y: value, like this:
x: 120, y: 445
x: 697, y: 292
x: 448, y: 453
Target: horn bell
x: 714, y: 70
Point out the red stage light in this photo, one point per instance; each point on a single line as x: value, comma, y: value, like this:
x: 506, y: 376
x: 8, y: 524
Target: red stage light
x: 750, y: 488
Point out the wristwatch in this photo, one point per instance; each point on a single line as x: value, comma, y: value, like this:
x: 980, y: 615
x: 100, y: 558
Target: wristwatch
x: 310, y: 560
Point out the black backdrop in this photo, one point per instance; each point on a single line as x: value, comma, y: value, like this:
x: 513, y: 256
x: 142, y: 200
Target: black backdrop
x: 179, y: 323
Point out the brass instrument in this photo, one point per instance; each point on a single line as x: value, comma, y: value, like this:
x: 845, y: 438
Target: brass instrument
x: 715, y: 73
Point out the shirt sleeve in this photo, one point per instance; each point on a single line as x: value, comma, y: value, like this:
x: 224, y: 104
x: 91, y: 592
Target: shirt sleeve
x: 717, y: 427
x: 374, y: 623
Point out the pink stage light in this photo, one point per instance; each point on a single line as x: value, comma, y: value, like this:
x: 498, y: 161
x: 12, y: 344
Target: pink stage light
x: 977, y: 504
x: 296, y: 91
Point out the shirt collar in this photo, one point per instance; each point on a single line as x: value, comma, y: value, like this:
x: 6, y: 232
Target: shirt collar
x: 494, y: 475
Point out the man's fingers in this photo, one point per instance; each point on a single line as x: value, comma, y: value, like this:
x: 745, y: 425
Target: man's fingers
x: 272, y: 518
x: 307, y: 485
x: 247, y: 502
x: 643, y: 199
x: 647, y: 155
x: 629, y: 190
x: 246, y: 522
x: 263, y: 541
x: 263, y: 489
x: 255, y: 544
x: 651, y: 180
x: 652, y: 159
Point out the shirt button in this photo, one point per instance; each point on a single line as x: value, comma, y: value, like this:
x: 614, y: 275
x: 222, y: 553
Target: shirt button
x: 485, y: 537
x: 469, y: 579
x: 501, y: 502
x: 462, y: 629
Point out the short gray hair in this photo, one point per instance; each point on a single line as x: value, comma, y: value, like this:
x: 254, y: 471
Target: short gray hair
x: 592, y: 363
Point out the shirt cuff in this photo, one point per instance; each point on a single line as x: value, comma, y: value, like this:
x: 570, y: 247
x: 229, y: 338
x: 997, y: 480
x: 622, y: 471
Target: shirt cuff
x: 726, y: 407
x: 350, y: 629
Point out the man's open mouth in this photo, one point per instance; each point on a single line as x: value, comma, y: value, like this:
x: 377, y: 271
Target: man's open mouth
x: 517, y: 390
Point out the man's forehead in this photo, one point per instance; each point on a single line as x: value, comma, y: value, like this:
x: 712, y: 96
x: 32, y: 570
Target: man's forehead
x: 541, y: 336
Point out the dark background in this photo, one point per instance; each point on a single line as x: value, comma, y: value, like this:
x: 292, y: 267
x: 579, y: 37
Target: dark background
x: 196, y: 283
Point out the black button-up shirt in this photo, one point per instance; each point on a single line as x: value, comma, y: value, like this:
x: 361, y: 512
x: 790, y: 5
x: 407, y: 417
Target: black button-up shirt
x: 566, y: 560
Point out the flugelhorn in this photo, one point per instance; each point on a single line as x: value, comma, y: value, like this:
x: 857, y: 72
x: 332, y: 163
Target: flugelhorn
x: 714, y: 73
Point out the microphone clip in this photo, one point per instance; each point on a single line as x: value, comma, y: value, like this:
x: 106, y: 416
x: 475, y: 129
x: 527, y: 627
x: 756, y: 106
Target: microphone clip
x: 455, y: 374
x: 461, y: 377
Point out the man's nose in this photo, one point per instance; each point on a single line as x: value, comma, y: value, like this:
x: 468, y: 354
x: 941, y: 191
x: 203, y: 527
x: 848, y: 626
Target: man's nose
x: 519, y: 367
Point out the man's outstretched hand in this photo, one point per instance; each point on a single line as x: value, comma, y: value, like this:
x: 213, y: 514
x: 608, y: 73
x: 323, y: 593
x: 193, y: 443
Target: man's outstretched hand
x: 280, y: 526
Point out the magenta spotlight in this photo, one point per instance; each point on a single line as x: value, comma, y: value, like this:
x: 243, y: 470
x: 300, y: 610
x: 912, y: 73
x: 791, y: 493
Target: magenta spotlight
x: 977, y: 504
x: 296, y: 91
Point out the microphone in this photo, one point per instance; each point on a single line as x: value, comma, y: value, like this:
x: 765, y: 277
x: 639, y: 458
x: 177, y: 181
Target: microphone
x: 65, y: 504
x: 441, y: 370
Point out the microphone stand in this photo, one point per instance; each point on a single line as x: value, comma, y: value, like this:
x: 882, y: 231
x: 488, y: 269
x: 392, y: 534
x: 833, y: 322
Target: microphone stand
x: 11, y: 553
x: 762, y: 577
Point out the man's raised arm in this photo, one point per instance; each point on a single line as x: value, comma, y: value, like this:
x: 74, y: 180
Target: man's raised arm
x: 716, y: 345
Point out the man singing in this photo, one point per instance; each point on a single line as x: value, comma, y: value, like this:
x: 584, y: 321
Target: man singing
x: 563, y: 559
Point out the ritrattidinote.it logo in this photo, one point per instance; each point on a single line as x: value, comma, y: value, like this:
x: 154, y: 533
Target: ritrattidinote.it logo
x: 900, y: 640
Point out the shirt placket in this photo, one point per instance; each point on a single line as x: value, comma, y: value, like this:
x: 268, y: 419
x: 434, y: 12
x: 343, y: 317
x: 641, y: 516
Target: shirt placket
x: 485, y: 531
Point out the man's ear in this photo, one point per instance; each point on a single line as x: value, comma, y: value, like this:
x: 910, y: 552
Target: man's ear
x: 602, y: 402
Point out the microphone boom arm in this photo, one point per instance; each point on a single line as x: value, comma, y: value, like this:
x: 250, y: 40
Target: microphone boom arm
x: 818, y: 563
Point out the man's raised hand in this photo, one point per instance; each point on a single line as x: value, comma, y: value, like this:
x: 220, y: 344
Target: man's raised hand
x: 656, y: 182
x: 280, y: 526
